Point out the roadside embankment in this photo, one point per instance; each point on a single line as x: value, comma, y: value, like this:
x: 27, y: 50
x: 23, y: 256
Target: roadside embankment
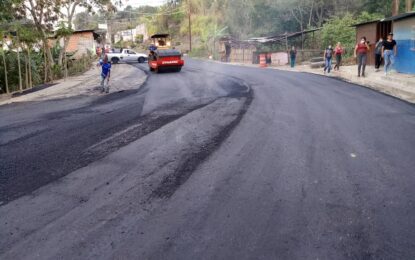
x: 123, y: 77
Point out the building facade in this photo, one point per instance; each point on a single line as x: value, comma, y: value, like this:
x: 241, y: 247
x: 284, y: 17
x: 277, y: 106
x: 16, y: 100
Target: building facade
x: 404, y: 34
x: 403, y: 28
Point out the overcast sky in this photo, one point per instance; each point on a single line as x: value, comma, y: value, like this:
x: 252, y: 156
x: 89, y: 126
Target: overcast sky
x: 137, y: 3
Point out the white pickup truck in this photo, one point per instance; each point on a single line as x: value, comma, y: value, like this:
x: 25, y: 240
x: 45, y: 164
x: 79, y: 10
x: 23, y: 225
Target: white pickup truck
x: 126, y: 55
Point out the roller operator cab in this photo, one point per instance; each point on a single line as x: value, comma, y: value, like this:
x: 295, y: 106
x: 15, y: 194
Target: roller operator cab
x: 162, y: 56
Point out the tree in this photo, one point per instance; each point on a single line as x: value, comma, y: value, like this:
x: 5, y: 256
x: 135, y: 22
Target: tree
x: 70, y: 8
x: 3, y: 55
x: 44, y: 14
x: 29, y: 37
x: 340, y: 29
x: 64, y: 32
x: 85, y: 21
x: 6, y: 9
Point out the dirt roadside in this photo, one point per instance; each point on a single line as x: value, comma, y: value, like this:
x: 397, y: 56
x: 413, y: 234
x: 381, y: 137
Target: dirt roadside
x: 123, y: 77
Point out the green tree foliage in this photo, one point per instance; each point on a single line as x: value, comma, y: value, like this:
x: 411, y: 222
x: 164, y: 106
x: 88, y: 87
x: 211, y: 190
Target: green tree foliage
x: 6, y: 9
x: 86, y: 21
x: 340, y: 29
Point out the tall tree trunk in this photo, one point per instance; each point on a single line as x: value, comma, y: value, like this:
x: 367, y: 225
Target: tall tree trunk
x: 395, y: 7
x: 46, y: 66
x: 65, y: 58
x: 5, y: 72
x: 18, y: 64
x: 26, y: 72
x: 409, y: 5
x: 49, y: 62
x: 30, y: 68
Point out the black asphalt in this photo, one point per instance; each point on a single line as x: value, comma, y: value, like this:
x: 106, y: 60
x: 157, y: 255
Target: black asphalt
x: 316, y: 168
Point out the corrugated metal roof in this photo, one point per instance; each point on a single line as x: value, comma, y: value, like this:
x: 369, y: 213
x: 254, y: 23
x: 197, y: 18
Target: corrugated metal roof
x: 399, y: 17
x: 364, y: 23
x: 281, y: 37
x: 389, y: 19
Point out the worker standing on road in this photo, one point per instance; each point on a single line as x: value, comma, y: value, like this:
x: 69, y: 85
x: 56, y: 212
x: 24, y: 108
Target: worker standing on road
x: 328, y: 55
x: 293, y: 56
x: 105, y: 74
x: 360, y: 51
x: 378, y: 53
x: 338, y: 51
x: 389, y: 50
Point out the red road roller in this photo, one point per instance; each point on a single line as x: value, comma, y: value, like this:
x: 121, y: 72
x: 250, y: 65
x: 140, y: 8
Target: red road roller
x: 162, y: 56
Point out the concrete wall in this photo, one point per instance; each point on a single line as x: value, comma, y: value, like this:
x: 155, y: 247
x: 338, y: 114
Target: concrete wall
x: 404, y: 34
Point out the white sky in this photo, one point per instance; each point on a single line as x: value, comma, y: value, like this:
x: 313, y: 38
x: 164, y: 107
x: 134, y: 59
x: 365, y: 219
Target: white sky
x: 137, y: 3
x: 133, y: 3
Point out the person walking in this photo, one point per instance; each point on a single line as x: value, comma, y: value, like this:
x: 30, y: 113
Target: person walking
x: 378, y: 53
x: 293, y: 56
x: 360, y: 51
x: 105, y: 74
x: 338, y: 52
x: 328, y: 55
x: 389, y: 51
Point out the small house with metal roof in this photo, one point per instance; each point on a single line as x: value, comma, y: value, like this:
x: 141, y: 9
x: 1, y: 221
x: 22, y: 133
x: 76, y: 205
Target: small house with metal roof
x: 403, y: 28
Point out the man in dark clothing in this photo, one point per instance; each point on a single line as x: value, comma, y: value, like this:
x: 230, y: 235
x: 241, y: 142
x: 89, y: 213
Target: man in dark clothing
x: 293, y: 55
x: 389, y: 50
x: 378, y: 53
x: 328, y: 55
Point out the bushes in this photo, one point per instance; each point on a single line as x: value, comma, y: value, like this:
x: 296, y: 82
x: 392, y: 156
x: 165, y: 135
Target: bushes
x: 341, y: 29
x: 13, y: 71
x: 79, y: 66
x: 199, y: 52
x: 75, y: 67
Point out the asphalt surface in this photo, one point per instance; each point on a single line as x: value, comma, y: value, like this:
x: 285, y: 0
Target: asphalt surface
x: 215, y: 162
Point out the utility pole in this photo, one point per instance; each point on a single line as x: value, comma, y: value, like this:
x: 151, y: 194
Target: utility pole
x: 190, y: 27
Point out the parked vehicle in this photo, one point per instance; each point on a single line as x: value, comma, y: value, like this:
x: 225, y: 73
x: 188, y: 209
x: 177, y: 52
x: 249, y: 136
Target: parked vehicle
x: 126, y: 55
x: 162, y: 56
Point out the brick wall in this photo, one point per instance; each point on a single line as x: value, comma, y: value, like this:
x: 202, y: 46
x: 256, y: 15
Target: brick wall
x: 80, y: 43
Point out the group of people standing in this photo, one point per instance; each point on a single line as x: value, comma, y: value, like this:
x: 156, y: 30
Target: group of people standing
x: 384, y: 50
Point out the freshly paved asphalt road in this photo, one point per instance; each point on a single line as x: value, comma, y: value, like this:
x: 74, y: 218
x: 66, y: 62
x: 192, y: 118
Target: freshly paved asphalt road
x: 216, y: 162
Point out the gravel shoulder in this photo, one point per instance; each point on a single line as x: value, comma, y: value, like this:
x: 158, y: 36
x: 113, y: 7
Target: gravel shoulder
x: 123, y: 77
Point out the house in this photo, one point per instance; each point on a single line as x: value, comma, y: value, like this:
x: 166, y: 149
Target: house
x: 404, y: 30
x: 82, y: 42
x: 131, y: 34
x: 403, y: 27
x: 233, y: 50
